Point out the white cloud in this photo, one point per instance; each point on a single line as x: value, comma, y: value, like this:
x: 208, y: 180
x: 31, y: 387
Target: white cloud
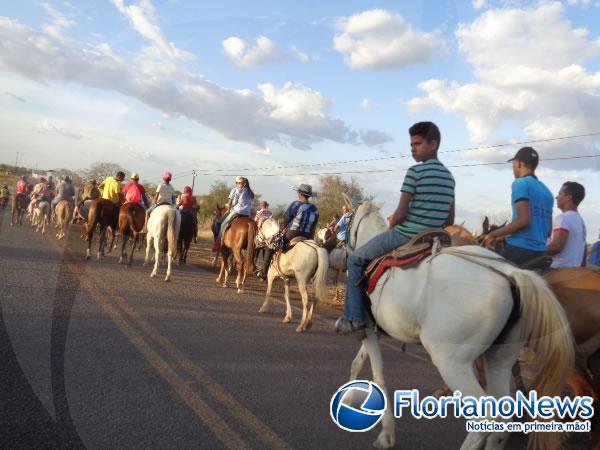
x: 45, y: 126
x: 479, y: 4
x: 365, y: 104
x: 375, y: 138
x: 300, y: 56
x: 265, y: 51
x: 525, y: 76
x: 290, y: 114
x: 381, y: 39
x: 142, y: 17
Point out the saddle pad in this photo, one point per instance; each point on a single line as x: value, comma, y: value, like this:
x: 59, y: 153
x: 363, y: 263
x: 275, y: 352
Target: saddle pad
x: 295, y: 240
x: 380, y: 265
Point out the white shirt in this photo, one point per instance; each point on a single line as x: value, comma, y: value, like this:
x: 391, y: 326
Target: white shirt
x: 166, y: 194
x: 572, y: 253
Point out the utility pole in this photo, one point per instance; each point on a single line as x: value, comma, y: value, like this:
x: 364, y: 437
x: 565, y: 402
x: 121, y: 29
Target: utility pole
x: 16, y: 162
x: 194, y: 173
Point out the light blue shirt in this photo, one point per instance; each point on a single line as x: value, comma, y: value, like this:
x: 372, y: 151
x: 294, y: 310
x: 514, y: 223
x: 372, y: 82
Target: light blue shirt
x: 242, y: 201
x: 343, y: 226
x: 541, y: 201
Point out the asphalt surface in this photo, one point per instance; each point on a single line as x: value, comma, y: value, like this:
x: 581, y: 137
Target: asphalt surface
x: 99, y: 355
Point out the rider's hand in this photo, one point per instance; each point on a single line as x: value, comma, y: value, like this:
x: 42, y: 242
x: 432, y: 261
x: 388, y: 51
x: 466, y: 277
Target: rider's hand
x: 490, y: 242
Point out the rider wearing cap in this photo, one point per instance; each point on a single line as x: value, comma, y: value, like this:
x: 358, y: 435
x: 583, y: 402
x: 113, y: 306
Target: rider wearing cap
x: 187, y: 202
x: 111, y: 187
x: 240, y: 204
x: 135, y: 192
x: 165, y: 195
x: 526, y: 235
x: 300, y: 219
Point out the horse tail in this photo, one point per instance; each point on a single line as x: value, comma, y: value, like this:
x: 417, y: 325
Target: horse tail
x: 250, y: 246
x: 549, y: 338
x: 320, y: 278
x: 171, y: 231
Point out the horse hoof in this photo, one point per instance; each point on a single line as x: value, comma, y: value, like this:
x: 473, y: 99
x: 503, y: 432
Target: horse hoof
x: 224, y: 285
x: 308, y: 326
x: 167, y: 279
x: 384, y: 441
x: 87, y: 257
x: 286, y: 320
x: 121, y: 260
x: 262, y: 310
x: 240, y: 291
x: 300, y: 329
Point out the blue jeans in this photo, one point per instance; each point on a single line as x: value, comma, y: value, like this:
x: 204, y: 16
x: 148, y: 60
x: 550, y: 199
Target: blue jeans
x: 356, y: 297
x: 518, y: 255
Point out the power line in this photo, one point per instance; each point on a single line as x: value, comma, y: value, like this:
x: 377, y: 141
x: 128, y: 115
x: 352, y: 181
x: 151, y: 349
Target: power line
x: 384, y: 158
x: 358, y: 172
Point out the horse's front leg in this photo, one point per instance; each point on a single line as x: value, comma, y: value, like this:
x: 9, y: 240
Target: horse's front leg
x: 288, y: 306
x: 223, y: 268
x: 113, y: 234
x: 270, y: 279
x: 387, y: 437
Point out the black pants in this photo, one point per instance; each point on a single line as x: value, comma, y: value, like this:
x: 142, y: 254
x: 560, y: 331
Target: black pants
x: 289, y: 235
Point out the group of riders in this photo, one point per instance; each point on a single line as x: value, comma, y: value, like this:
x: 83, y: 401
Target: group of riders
x: 427, y: 201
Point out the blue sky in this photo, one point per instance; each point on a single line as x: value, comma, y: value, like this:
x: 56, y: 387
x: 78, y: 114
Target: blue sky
x: 174, y: 84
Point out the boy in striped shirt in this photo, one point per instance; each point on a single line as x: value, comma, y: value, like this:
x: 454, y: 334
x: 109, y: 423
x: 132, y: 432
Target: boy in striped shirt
x: 426, y: 201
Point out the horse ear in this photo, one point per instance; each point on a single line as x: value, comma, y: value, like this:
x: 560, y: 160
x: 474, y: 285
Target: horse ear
x: 486, y: 225
x: 347, y: 201
x: 504, y: 224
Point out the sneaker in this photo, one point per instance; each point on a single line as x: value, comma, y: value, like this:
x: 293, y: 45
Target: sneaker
x: 345, y: 326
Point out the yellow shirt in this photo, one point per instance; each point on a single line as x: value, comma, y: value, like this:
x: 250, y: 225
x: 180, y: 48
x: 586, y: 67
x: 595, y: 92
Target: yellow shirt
x: 111, y: 189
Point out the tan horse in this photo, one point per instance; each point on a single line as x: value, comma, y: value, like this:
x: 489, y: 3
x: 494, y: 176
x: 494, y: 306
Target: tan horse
x: 131, y: 223
x: 578, y: 291
x: 41, y: 216
x: 240, y: 235
x: 64, y: 215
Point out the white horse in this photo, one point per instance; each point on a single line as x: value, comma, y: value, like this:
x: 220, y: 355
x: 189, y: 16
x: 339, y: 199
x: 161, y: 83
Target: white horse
x: 456, y: 304
x: 41, y: 216
x: 337, y: 259
x: 305, y: 260
x: 163, y: 224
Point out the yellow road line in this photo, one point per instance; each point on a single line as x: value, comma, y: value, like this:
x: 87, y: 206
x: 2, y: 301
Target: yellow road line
x: 262, y: 431
x: 222, y: 431
x: 229, y: 437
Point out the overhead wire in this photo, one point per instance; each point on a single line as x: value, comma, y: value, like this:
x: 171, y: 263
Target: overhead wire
x: 381, y: 158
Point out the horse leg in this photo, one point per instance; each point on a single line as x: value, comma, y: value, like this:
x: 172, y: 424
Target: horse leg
x: 239, y: 265
x: 157, y: 250
x: 133, y: 245
x: 386, y: 438
x: 148, y: 247
x: 288, y: 306
x: 170, y: 258
x: 304, y: 295
x: 113, y: 234
x: 270, y: 279
x: 101, y: 242
x: 124, y: 239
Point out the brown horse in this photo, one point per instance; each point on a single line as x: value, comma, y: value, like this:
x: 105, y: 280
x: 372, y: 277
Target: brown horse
x: 578, y: 291
x: 240, y: 235
x: 106, y: 214
x: 131, y: 223
x: 218, y: 216
x: 19, y: 207
x: 64, y: 215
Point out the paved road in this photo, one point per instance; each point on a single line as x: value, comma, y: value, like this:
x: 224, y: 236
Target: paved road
x: 98, y: 355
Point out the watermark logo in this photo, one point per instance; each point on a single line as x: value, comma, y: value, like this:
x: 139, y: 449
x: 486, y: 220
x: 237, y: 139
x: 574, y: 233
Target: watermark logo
x: 370, y: 412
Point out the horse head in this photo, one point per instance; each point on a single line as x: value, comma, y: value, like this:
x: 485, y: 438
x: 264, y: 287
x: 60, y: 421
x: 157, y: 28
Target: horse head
x: 367, y: 222
x: 269, y: 228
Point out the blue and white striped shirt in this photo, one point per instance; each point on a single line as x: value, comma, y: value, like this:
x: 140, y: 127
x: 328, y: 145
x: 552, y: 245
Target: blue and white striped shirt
x: 432, y: 188
x: 301, y: 217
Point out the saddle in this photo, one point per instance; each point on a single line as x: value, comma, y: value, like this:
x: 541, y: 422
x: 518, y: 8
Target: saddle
x: 294, y: 241
x: 406, y: 256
